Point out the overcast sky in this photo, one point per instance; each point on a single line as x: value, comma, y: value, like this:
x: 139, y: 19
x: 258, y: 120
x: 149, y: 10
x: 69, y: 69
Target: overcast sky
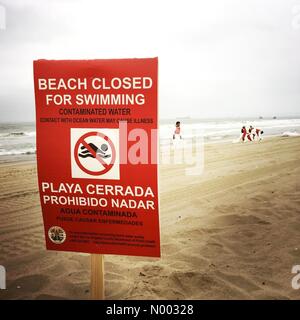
x: 216, y: 58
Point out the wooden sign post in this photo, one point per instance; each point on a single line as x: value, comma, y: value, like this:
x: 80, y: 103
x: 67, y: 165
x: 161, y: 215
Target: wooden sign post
x: 97, y: 277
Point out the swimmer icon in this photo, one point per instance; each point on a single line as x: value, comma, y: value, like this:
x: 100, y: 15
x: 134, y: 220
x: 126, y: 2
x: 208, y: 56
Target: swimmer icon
x: 85, y: 153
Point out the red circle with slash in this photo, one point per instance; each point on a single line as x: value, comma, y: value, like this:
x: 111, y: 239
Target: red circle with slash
x: 107, y: 166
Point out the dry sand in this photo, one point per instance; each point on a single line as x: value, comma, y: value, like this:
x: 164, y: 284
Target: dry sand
x: 231, y: 233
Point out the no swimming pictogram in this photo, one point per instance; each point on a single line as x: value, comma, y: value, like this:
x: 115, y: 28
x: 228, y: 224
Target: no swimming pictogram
x: 94, y: 153
x: 100, y: 151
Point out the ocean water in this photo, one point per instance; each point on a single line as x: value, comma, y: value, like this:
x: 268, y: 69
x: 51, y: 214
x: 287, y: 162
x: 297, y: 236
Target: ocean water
x: 17, y: 140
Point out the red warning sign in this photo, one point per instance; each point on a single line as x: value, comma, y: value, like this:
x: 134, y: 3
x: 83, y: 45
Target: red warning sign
x: 96, y: 123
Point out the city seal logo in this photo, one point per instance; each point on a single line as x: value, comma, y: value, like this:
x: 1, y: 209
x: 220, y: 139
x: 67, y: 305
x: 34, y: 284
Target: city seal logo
x: 57, y: 235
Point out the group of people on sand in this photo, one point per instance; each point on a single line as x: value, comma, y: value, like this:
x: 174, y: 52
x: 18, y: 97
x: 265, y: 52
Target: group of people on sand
x: 251, y: 134
x: 247, y: 134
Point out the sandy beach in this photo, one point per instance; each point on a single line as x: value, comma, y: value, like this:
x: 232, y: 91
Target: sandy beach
x: 231, y: 233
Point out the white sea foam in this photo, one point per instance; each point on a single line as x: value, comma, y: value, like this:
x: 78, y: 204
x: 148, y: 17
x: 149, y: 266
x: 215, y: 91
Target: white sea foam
x: 290, y: 134
x: 14, y: 152
x: 227, y: 130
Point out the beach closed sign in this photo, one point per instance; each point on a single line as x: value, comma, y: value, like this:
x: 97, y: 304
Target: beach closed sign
x: 96, y: 125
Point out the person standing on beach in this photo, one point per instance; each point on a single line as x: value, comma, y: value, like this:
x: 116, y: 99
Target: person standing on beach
x: 250, y: 135
x: 177, y: 130
x: 258, y: 134
x: 244, y: 133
